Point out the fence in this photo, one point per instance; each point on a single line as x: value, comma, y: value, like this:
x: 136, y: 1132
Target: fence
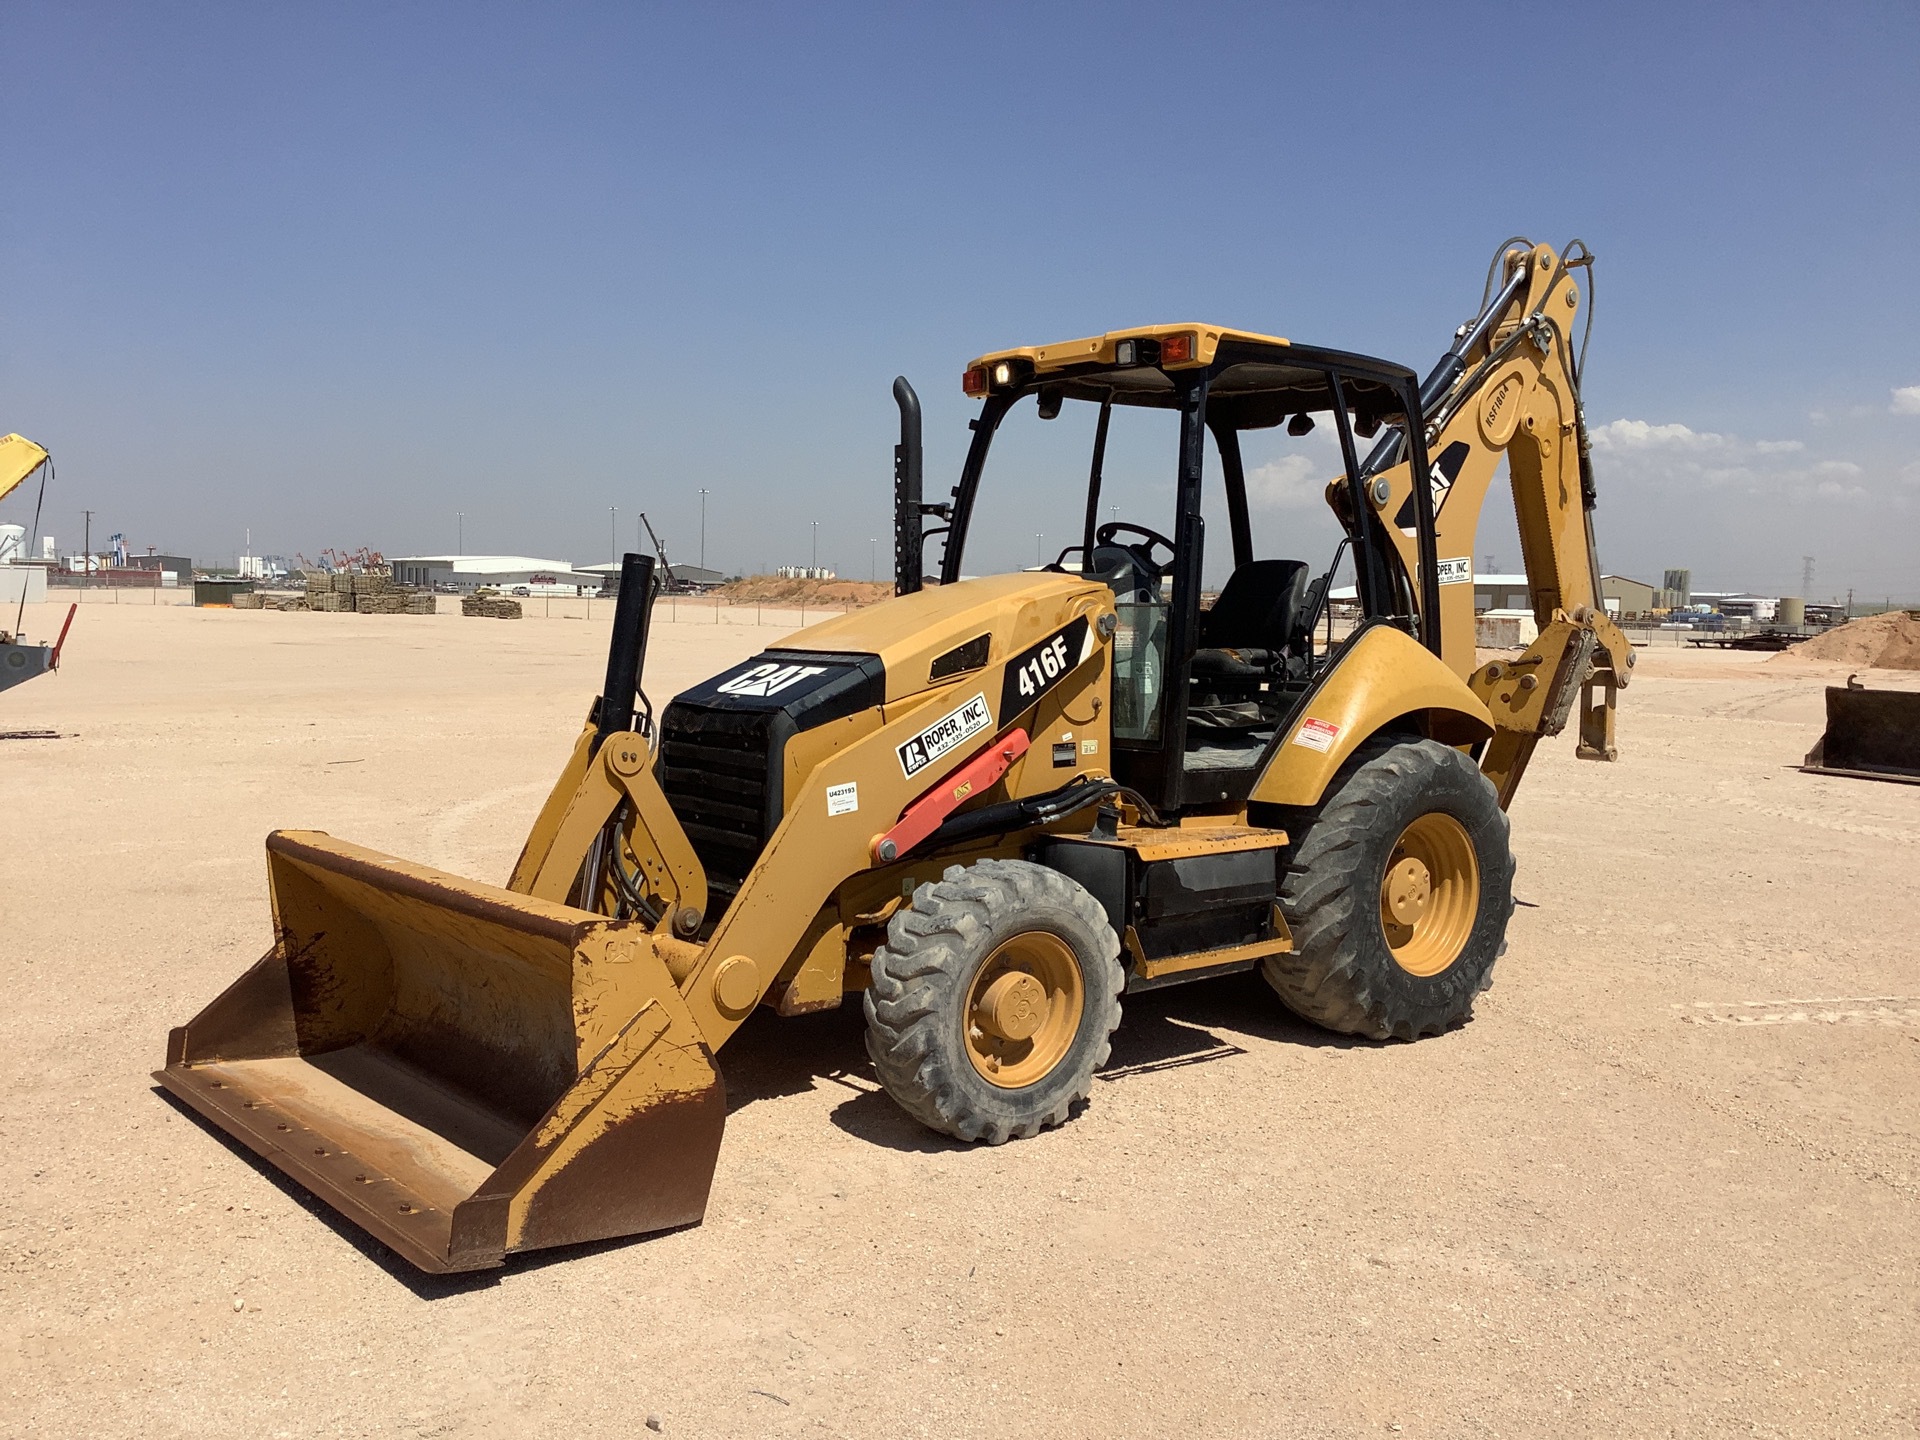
x: 100, y: 593
x: 683, y: 610
x: 676, y: 610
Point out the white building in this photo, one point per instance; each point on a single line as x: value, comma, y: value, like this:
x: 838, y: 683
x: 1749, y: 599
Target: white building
x: 504, y: 572
x: 692, y: 577
x: 1490, y: 592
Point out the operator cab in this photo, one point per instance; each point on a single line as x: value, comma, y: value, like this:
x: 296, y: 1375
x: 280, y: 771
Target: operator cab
x: 1204, y: 693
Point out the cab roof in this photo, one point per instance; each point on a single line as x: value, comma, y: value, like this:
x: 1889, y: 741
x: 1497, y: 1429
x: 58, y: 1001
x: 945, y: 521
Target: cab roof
x: 1263, y: 377
x: 1099, y: 349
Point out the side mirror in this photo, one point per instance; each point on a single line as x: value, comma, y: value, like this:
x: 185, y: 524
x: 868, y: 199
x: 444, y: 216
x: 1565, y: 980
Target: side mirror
x: 1049, y: 403
x: 1300, y: 425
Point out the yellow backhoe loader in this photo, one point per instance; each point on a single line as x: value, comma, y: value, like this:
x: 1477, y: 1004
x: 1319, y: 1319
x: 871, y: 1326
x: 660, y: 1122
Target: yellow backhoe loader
x: 992, y: 806
x: 21, y: 659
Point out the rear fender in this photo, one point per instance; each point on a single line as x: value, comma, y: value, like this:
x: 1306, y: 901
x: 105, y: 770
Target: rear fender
x: 1385, y: 680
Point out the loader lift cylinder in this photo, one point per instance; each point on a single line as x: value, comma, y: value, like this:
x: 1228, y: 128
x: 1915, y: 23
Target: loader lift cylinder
x: 627, y: 651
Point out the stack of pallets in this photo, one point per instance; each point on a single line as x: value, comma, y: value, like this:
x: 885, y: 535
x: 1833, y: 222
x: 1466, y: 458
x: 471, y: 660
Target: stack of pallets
x: 491, y: 607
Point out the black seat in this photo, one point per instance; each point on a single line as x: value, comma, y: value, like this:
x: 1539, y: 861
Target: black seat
x: 1259, y: 609
x: 1129, y: 576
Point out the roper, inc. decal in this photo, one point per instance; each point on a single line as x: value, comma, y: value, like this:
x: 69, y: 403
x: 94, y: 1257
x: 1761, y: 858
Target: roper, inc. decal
x: 945, y: 733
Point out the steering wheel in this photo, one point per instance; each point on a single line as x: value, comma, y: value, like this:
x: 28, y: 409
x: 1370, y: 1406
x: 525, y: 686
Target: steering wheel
x: 1152, y: 538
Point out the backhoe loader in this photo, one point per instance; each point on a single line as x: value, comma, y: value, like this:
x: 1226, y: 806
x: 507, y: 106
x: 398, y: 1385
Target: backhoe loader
x: 992, y: 807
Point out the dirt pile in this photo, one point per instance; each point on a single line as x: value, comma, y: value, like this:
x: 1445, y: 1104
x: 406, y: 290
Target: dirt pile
x: 1877, y: 642
x: 778, y: 590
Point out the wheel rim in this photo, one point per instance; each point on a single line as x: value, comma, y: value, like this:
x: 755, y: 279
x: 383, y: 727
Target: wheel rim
x: 1430, y: 894
x: 1023, y: 1009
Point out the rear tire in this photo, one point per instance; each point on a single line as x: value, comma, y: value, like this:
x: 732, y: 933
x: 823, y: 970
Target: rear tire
x: 993, y: 1000
x: 1398, y: 890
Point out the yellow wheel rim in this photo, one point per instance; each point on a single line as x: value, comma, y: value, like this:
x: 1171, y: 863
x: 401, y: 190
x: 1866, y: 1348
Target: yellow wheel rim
x: 1430, y: 894
x: 1023, y: 1009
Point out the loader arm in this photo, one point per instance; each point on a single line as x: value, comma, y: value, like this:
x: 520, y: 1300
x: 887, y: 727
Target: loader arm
x: 1510, y: 388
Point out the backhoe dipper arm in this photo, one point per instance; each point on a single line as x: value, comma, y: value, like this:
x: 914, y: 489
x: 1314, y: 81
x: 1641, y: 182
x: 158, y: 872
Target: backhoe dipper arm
x: 1511, y: 386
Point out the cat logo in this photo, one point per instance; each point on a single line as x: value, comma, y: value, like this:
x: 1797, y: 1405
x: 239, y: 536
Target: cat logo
x: 768, y: 679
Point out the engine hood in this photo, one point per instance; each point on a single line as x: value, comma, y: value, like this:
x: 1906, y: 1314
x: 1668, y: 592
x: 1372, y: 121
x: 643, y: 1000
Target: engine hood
x: 946, y: 631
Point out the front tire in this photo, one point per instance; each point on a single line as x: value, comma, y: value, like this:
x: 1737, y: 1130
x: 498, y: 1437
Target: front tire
x: 993, y: 1000
x: 1398, y: 890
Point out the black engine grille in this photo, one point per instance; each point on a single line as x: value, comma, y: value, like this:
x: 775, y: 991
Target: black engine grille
x: 723, y: 748
x: 715, y: 775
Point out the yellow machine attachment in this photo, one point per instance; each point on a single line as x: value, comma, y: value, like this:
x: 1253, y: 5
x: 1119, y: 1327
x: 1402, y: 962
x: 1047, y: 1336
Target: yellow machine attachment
x: 461, y: 1070
x: 1870, y: 735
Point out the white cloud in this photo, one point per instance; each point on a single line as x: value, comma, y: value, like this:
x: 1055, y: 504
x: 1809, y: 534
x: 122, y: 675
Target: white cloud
x: 1906, y: 400
x: 1640, y: 454
x: 1641, y: 435
x: 1291, y: 482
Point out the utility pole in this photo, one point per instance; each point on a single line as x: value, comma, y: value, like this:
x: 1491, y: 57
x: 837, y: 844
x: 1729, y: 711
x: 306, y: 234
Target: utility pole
x: 703, y: 529
x: 86, y: 552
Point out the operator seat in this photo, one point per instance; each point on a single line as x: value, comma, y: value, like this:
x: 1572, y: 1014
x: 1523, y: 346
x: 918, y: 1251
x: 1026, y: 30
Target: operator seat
x: 1261, y: 606
x: 1130, y: 577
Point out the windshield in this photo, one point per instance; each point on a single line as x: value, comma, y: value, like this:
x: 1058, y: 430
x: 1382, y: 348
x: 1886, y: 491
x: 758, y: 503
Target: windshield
x: 1031, y: 505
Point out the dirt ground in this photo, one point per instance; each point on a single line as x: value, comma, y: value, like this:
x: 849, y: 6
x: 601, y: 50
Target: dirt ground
x: 1664, y: 1184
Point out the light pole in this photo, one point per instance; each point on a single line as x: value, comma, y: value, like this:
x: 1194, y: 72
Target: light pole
x: 86, y: 552
x: 703, y: 529
x: 460, y: 532
x: 613, y: 533
x: 1039, y: 555
x: 873, y: 558
x: 816, y: 549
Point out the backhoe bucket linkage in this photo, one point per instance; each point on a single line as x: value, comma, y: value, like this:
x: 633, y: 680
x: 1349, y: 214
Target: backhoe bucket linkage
x: 462, y: 1071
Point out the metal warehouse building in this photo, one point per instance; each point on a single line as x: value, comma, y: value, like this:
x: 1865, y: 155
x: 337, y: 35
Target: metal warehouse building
x: 470, y: 572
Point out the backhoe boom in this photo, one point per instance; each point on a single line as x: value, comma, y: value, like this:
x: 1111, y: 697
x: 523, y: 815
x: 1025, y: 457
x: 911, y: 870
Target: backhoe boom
x: 1510, y: 388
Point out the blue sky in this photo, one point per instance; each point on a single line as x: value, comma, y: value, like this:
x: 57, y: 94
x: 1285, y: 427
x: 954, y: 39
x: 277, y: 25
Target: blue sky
x: 337, y: 273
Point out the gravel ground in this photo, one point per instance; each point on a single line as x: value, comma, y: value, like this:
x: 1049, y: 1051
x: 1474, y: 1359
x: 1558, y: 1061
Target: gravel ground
x: 1665, y: 1182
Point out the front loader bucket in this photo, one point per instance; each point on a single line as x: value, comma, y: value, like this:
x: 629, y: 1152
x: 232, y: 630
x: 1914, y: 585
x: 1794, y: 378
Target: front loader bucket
x: 1871, y: 735
x: 462, y: 1071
